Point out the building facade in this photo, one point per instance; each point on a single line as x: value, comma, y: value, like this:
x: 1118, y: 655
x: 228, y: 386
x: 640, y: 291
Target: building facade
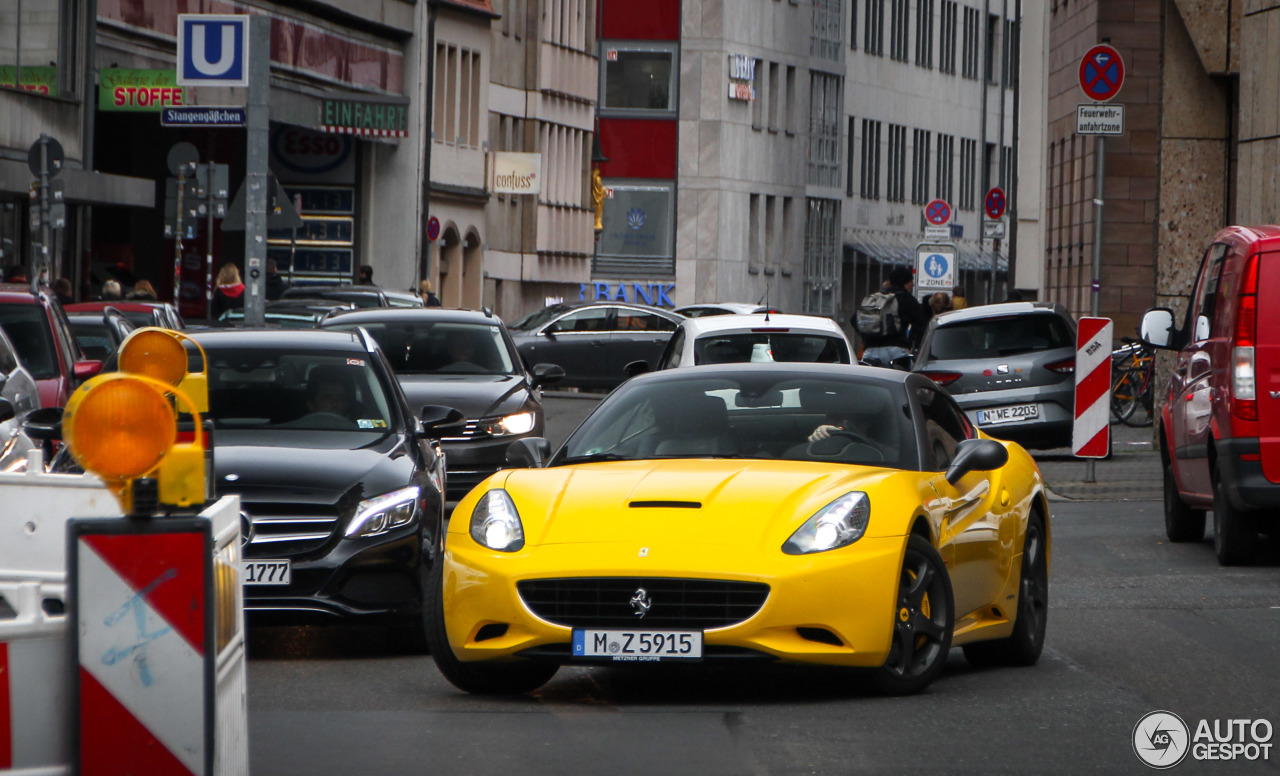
x: 933, y: 108
x: 542, y: 101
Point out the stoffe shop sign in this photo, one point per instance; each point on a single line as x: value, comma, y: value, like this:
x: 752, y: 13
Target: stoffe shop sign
x: 515, y: 173
x: 149, y: 91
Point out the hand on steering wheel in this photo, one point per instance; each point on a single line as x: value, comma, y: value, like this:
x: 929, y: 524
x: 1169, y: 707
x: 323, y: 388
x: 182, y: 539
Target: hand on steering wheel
x: 854, y: 437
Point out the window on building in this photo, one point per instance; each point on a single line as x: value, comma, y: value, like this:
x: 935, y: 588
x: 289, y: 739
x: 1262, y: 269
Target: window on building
x: 772, y: 231
x: 36, y: 46
x: 899, y: 23
x: 827, y: 39
x: 1012, y: 36
x: 924, y: 33
x: 969, y: 55
x: 853, y: 24
x: 757, y: 107
x: 638, y: 238
x: 638, y: 78
x: 947, y: 37
x: 990, y: 171
x: 566, y: 23
x: 848, y: 155
x: 825, y: 92
x: 869, y: 181
x: 821, y: 257
x: 990, y: 64
x: 773, y: 97
x: 753, y: 232
x: 790, y: 120
x: 946, y: 161
x: 563, y: 150
x: 873, y: 31
x: 968, y: 170
x: 921, y: 141
x: 896, y: 191
x: 456, y: 115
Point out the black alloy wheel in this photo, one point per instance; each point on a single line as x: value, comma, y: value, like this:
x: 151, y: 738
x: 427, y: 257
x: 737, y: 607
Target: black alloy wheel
x: 480, y: 678
x: 923, y: 621
x: 1024, y: 645
x: 1181, y: 522
x: 1234, y: 539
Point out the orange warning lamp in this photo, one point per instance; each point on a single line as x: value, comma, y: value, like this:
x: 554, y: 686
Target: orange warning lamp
x: 160, y: 354
x: 123, y: 427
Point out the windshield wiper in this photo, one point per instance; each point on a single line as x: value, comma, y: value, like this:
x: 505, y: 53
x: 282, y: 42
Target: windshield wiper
x: 593, y: 457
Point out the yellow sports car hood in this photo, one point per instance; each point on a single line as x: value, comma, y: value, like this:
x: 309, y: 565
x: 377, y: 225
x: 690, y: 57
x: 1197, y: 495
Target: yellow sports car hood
x: 703, y: 501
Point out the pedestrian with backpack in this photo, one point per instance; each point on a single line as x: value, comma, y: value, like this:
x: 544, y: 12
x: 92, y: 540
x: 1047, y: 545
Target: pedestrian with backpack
x: 891, y: 322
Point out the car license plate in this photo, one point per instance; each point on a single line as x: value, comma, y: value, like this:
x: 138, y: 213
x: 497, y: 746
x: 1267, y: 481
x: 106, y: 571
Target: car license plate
x: 266, y: 572
x: 638, y: 645
x: 1010, y: 414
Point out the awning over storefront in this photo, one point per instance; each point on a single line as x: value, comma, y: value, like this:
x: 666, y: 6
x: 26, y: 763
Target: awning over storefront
x: 371, y: 116
x: 81, y: 187
x: 895, y: 248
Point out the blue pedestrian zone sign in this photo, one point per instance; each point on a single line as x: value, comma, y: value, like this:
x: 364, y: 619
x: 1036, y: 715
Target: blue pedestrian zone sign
x: 213, y: 50
x: 935, y: 268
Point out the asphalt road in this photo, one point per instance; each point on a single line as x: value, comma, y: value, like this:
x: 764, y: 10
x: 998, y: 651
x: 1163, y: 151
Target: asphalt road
x: 1136, y: 624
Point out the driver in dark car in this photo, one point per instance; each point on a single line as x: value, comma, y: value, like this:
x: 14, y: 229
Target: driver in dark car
x: 329, y: 391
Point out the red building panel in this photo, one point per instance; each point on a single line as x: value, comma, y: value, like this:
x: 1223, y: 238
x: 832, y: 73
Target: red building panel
x: 638, y: 148
x: 648, y: 20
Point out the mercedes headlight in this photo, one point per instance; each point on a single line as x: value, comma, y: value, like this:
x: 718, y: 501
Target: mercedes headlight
x: 519, y: 423
x: 383, y: 513
x: 840, y: 523
x: 495, y: 522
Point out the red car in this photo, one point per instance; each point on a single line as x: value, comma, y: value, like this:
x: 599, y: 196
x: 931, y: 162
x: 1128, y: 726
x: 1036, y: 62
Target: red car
x: 40, y: 332
x: 1219, y: 418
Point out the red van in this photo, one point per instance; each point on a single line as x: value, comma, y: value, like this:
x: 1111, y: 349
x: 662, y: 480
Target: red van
x: 1219, y: 421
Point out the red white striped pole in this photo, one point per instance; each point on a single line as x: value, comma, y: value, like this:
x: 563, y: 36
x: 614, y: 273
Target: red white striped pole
x: 1091, y: 434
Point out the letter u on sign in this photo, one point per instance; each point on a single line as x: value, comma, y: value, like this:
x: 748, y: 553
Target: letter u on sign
x: 213, y: 49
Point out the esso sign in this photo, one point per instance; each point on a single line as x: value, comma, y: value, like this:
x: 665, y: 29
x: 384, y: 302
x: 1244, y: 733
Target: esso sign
x: 309, y: 152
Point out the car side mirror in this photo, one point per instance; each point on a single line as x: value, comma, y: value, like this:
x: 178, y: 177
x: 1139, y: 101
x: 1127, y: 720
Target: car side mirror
x: 976, y: 455
x: 83, y: 370
x: 546, y: 374
x: 636, y: 368
x: 528, y: 453
x: 44, y: 424
x: 1157, y: 330
x: 6, y: 410
x: 436, y: 421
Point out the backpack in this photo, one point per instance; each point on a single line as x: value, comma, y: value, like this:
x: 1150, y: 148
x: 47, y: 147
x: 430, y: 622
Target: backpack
x: 877, y: 315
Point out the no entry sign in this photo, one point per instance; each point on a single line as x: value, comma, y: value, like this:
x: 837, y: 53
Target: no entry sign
x: 994, y: 203
x: 938, y: 212
x: 1101, y: 73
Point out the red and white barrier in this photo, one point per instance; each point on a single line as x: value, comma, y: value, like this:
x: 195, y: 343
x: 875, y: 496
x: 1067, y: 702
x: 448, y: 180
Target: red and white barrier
x: 1091, y: 434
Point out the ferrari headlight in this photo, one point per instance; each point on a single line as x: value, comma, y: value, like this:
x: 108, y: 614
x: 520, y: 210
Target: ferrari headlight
x: 519, y: 423
x: 382, y: 513
x: 840, y: 523
x: 495, y: 522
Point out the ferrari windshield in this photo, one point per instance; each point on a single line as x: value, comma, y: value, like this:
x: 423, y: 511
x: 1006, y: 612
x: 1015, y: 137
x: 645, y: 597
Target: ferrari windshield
x: 306, y: 390
x: 765, y: 415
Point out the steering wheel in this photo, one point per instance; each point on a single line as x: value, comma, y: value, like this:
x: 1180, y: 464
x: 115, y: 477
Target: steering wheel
x: 854, y: 437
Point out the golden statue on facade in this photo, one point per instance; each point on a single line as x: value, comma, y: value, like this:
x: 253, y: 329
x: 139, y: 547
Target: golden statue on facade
x: 598, y: 194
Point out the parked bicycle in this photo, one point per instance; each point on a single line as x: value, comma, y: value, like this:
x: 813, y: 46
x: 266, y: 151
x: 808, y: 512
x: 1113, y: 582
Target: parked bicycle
x: 1132, y: 369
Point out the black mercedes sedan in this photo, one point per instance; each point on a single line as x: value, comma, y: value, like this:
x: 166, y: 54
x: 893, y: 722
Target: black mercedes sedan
x: 340, y: 481
x: 463, y: 359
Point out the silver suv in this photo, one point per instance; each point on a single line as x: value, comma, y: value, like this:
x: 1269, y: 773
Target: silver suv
x: 1010, y: 367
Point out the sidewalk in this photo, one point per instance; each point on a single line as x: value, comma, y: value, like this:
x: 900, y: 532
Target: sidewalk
x: 1133, y: 473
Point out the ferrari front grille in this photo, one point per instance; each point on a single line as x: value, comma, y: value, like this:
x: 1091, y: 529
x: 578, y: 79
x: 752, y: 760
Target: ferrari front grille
x: 617, y: 602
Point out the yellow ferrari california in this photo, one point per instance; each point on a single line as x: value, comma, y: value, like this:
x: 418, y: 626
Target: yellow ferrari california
x: 824, y: 514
